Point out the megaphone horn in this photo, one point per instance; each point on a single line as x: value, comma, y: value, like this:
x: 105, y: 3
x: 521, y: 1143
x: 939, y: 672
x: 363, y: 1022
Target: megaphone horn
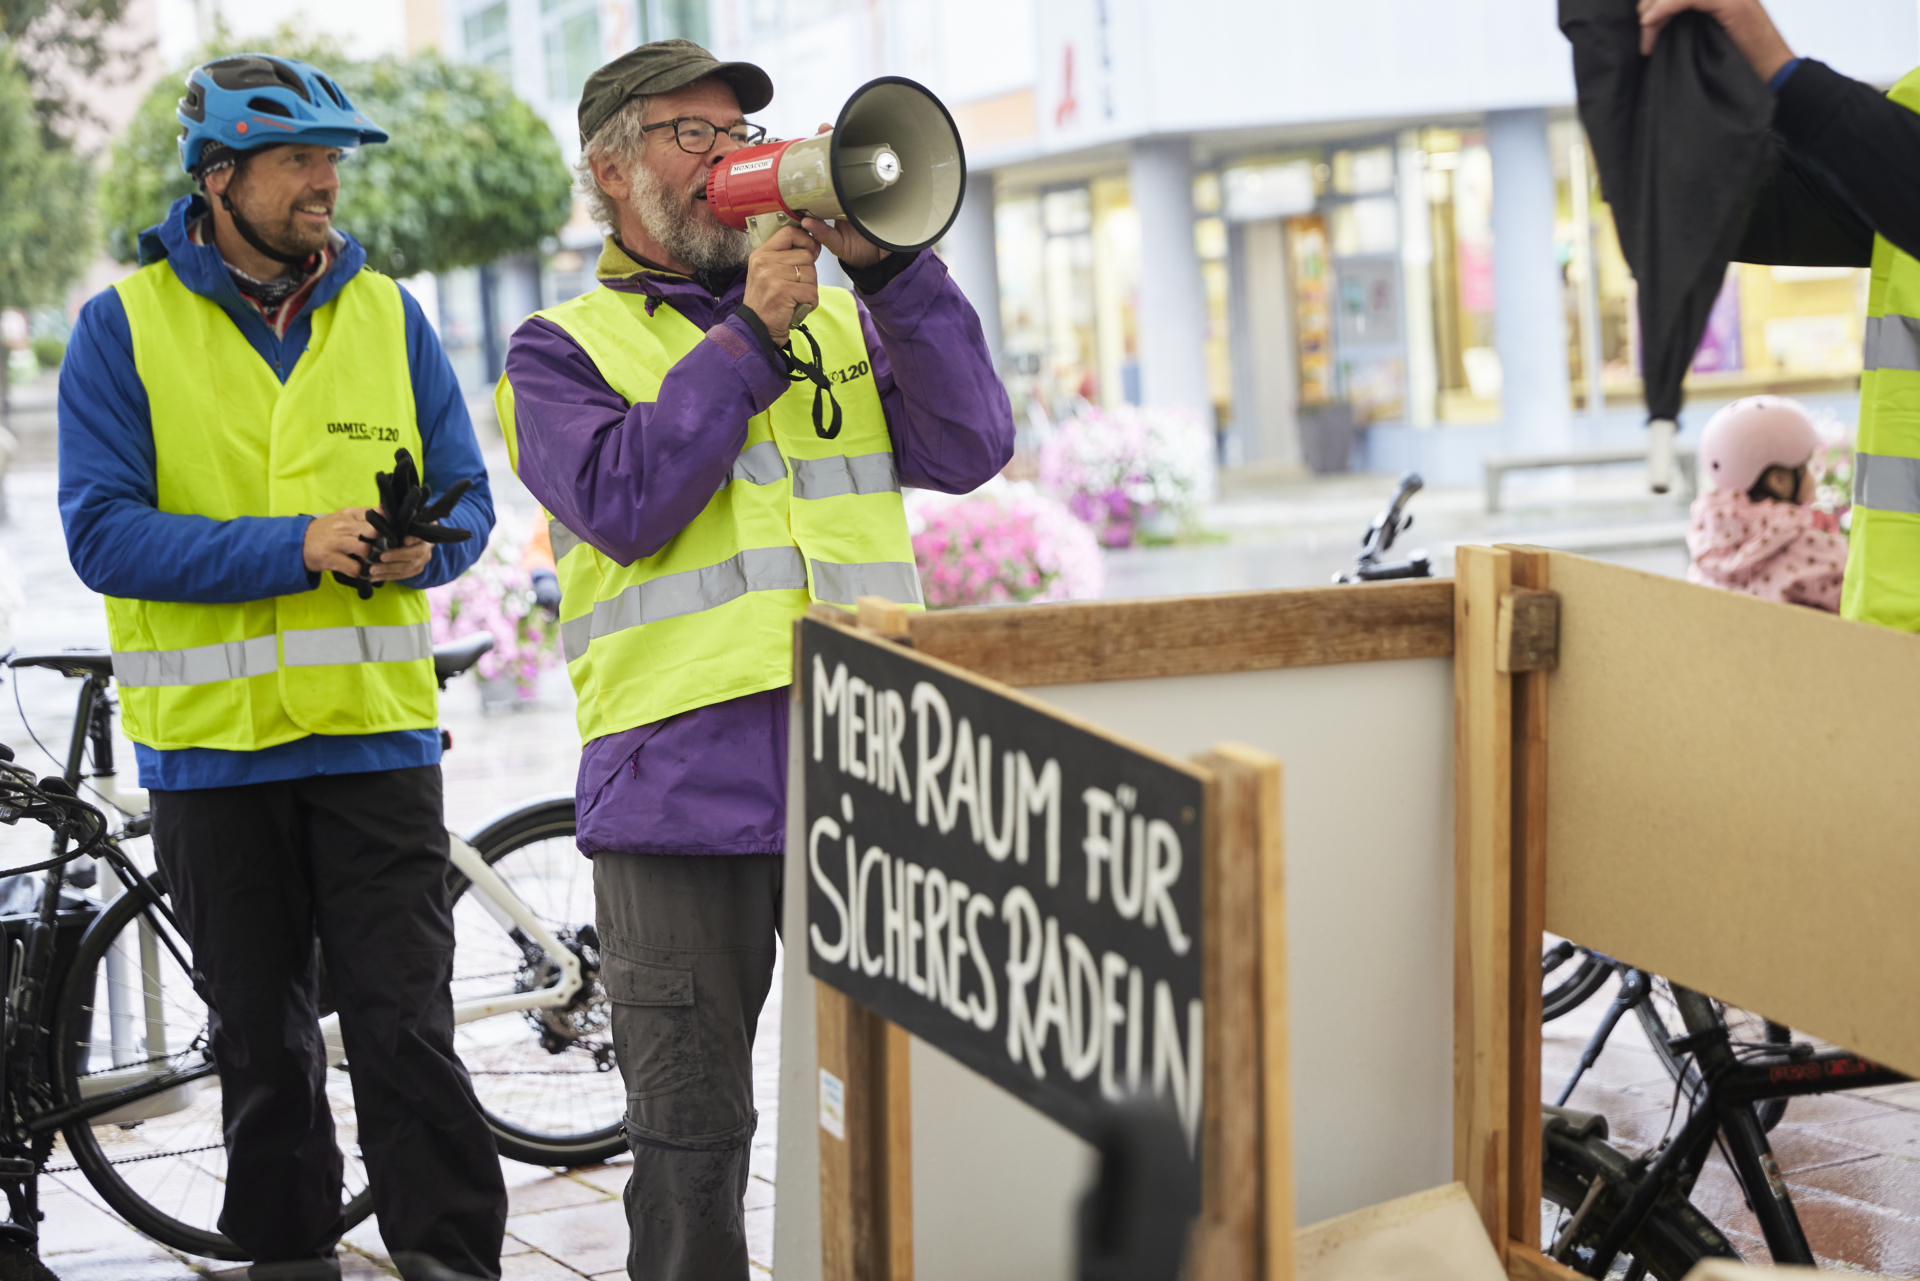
x: 892, y: 166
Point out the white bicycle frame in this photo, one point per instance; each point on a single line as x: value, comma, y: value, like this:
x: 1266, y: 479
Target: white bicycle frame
x: 138, y: 1027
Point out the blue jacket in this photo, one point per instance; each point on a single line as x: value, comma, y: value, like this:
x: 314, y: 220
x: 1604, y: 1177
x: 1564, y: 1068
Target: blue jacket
x: 122, y: 545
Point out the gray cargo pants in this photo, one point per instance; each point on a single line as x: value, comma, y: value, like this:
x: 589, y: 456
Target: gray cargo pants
x: 687, y: 944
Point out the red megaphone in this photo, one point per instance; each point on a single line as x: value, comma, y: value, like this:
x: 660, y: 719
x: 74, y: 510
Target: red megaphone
x: 892, y: 165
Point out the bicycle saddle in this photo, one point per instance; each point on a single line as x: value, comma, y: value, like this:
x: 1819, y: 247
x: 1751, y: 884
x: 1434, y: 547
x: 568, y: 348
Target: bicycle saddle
x: 69, y: 662
x: 456, y: 656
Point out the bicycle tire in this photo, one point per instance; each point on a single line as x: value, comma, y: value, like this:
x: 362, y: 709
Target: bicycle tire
x: 73, y: 1030
x: 1670, y: 1240
x: 1665, y: 1002
x: 1589, y: 976
x: 523, y: 1139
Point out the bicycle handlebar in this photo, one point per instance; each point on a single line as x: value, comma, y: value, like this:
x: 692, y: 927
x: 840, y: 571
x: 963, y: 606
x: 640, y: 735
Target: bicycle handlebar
x: 1387, y: 526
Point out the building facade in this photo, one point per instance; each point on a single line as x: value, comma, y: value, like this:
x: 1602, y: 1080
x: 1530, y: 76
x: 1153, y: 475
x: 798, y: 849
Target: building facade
x: 1366, y: 233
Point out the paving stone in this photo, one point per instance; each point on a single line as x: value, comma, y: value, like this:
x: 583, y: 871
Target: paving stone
x: 591, y: 1238
x: 759, y: 1194
x: 1896, y: 1132
x: 1889, y: 1181
x: 760, y: 1236
x: 551, y: 1193
x: 534, y: 1266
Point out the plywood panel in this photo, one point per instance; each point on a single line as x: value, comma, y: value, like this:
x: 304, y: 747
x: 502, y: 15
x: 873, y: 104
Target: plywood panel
x: 1731, y: 801
x: 1369, y: 864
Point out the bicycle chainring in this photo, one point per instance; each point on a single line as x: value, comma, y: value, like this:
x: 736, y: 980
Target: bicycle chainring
x: 584, y: 1020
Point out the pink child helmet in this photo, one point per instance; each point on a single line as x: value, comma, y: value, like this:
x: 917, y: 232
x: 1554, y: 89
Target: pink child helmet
x: 1745, y: 438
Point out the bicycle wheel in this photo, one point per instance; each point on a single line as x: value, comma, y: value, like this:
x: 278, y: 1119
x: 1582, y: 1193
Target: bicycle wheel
x: 128, y: 1011
x: 1663, y: 1017
x: 1672, y: 1238
x: 1569, y: 975
x: 546, y: 1078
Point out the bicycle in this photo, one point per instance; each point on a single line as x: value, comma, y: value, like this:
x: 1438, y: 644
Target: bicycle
x: 128, y: 1085
x: 1606, y: 1214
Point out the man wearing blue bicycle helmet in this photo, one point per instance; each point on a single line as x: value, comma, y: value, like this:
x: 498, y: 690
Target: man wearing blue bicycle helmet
x: 217, y: 409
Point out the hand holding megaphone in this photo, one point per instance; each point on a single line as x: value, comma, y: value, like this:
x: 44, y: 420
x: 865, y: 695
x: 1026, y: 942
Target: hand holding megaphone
x: 892, y: 167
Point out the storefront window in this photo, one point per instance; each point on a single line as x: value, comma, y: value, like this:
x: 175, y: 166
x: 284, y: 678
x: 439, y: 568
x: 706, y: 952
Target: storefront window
x: 485, y: 35
x: 572, y: 43
x: 1363, y: 221
x: 1459, y: 194
x: 1210, y: 242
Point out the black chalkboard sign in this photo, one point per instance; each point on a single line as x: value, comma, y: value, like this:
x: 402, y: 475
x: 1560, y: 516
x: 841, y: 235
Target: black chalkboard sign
x: 1008, y: 885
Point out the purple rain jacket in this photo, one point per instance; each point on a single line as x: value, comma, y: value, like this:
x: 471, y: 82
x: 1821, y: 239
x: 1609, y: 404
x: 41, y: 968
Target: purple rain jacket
x: 627, y: 478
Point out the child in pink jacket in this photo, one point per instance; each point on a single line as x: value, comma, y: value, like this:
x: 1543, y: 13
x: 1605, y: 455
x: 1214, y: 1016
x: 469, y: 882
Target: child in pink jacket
x: 1752, y: 530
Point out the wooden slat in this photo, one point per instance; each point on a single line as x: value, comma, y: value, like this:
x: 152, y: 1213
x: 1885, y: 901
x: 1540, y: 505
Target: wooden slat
x: 843, y: 1205
x: 1193, y: 635
x: 866, y: 1180
x: 1524, y: 1263
x: 1228, y: 1243
x: 896, y: 1045
x: 1529, y: 898
x: 878, y: 614
x: 1276, y: 1052
x: 1528, y: 639
x: 1483, y: 732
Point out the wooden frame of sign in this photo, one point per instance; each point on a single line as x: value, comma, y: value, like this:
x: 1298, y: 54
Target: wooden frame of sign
x: 1227, y: 803
x: 866, y: 1182
x: 1635, y: 774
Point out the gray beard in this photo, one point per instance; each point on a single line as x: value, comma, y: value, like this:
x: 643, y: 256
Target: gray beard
x: 677, y: 227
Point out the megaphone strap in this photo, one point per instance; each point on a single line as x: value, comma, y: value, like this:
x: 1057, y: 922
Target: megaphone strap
x: 801, y: 371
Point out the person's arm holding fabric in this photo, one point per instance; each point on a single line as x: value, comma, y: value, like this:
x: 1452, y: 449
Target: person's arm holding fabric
x: 1848, y: 141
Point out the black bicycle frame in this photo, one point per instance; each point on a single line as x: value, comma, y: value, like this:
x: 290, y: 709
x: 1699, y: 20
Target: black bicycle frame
x: 1725, y: 1110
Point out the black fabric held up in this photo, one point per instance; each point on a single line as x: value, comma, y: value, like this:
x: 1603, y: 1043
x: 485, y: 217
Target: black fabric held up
x: 1682, y: 141
x: 360, y: 861
x: 1867, y: 144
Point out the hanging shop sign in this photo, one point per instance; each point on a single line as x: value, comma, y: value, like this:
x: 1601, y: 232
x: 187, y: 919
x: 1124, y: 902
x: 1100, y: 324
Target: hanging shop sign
x: 1016, y: 889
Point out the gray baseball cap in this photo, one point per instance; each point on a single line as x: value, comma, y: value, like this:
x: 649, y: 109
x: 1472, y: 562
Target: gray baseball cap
x: 662, y: 67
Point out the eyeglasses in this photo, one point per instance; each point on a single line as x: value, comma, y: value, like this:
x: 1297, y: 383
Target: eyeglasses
x: 696, y: 136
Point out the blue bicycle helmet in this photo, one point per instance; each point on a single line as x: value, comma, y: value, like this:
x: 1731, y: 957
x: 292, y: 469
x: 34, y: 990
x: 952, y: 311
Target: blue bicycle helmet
x: 254, y: 100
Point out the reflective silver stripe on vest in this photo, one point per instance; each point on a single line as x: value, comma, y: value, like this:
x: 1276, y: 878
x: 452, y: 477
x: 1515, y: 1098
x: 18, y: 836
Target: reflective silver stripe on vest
x: 758, y: 569
x: 1886, y: 483
x: 759, y: 464
x: 898, y: 581
x: 201, y: 665
x: 326, y: 646
x: 844, y: 474
x: 561, y: 539
x: 1893, y: 342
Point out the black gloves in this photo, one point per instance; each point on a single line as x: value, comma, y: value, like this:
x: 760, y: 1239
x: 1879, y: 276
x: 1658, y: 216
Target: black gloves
x: 404, y: 513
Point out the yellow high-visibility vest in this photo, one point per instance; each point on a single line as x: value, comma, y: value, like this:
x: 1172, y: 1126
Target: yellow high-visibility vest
x: 710, y: 616
x: 1883, y: 553
x: 229, y: 441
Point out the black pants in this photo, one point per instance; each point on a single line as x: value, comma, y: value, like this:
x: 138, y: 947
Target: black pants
x: 687, y: 948
x: 256, y: 873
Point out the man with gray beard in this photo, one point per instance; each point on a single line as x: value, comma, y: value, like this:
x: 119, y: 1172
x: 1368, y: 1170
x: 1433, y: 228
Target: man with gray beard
x: 699, y: 498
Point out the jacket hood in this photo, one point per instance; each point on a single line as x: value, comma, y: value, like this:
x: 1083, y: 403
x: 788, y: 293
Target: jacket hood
x: 204, y: 271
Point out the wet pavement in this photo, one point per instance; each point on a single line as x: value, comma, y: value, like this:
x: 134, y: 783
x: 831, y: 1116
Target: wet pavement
x: 1851, y: 1161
